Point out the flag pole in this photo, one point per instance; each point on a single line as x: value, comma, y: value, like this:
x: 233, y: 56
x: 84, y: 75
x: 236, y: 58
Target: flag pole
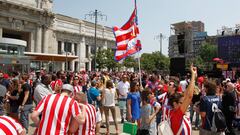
x: 139, y: 68
x: 139, y: 65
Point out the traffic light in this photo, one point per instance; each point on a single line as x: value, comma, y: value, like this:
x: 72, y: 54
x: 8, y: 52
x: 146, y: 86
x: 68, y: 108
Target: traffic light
x: 181, y: 42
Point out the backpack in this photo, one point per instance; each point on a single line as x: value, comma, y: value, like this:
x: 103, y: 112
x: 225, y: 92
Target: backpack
x: 218, y: 120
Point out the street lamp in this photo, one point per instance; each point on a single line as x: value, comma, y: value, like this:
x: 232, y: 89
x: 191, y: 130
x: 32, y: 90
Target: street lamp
x: 66, y: 59
x: 160, y: 37
x: 95, y: 14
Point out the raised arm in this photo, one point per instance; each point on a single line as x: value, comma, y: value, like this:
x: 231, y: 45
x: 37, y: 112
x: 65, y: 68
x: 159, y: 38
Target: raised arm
x: 188, y: 94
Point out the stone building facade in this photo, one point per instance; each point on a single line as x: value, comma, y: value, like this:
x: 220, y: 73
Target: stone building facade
x: 54, y: 41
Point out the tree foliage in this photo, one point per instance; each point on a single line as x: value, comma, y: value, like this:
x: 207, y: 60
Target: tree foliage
x: 154, y: 61
x: 206, y: 54
x: 105, y: 59
x: 130, y: 62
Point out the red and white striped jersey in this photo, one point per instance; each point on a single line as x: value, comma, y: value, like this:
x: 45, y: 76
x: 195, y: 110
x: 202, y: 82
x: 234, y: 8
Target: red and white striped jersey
x: 9, y: 126
x: 180, y: 123
x: 77, y: 88
x: 186, y: 126
x: 57, y: 111
x: 165, y: 106
x: 88, y: 128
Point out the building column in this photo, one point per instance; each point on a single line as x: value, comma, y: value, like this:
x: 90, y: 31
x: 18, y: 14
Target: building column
x: 105, y: 45
x: 90, y: 61
x: 45, y: 40
x: 62, y: 46
x: 38, y: 3
x: 38, y: 47
x: 82, y: 54
x: 72, y: 48
x: 32, y: 41
x: 1, y: 31
x: 89, y: 66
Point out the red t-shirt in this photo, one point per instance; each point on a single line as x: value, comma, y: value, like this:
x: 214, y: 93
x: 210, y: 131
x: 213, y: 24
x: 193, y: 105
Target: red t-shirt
x: 177, y: 119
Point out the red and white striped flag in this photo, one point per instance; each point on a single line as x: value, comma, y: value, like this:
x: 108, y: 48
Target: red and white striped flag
x: 126, y: 38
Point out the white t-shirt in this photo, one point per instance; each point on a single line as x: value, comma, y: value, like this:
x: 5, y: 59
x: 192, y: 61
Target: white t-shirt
x: 109, y: 99
x: 183, y: 84
x: 123, y: 89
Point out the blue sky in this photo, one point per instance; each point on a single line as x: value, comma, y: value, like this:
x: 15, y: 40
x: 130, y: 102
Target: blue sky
x: 155, y: 16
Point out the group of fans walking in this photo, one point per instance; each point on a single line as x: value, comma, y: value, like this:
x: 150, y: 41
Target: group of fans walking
x: 79, y: 103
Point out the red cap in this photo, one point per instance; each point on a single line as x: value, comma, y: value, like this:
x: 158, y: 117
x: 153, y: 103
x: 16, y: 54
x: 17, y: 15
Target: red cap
x: 200, y: 79
x: 6, y: 76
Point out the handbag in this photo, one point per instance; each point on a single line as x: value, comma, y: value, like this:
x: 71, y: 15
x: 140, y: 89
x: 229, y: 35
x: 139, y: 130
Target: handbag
x: 130, y: 128
x: 164, y: 128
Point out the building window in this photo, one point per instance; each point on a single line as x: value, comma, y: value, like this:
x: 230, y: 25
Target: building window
x: 59, y: 47
x: 68, y: 66
x: 76, y: 66
x: 86, y: 66
x: 92, y: 50
x: 87, y: 51
x: 3, y: 49
x: 67, y: 47
x: 75, y: 49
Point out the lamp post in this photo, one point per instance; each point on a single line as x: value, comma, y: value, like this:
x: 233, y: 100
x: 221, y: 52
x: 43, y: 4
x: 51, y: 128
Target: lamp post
x: 160, y: 37
x: 66, y: 59
x: 95, y: 14
x: 66, y: 63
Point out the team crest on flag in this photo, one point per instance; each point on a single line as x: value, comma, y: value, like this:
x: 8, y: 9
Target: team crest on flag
x: 127, y: 42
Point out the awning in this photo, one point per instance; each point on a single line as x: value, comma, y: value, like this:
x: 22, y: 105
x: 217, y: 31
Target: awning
x: 49, y: 57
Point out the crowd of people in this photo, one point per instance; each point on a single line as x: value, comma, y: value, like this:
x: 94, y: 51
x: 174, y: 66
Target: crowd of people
x: 79, y: 102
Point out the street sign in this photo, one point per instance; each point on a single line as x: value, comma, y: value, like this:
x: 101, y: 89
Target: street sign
x: 222, y: 66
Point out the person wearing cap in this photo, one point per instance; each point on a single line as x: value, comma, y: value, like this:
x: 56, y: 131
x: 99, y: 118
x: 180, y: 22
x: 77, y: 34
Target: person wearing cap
x: 61, y: 78
x: 5, y: 80
x: 57, y: 110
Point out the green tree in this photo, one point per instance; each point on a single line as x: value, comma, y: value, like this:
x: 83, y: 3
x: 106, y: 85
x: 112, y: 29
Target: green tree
x: 154, y: 61
x: 206, y: 54
x: 130, y: 62
x: 105, y: 59
x: 101, y: 59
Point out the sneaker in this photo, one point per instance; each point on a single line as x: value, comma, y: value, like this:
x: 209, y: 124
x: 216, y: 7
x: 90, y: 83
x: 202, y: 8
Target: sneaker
x: 103, y: 126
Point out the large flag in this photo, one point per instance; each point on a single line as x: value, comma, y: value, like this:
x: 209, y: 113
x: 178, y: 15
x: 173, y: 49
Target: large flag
x: 127, y: 42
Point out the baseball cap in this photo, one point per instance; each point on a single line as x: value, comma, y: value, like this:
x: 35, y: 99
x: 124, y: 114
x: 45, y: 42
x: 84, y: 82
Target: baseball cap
x: 67, y: 87
x: 6, y: 76
x: 228, y: 80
